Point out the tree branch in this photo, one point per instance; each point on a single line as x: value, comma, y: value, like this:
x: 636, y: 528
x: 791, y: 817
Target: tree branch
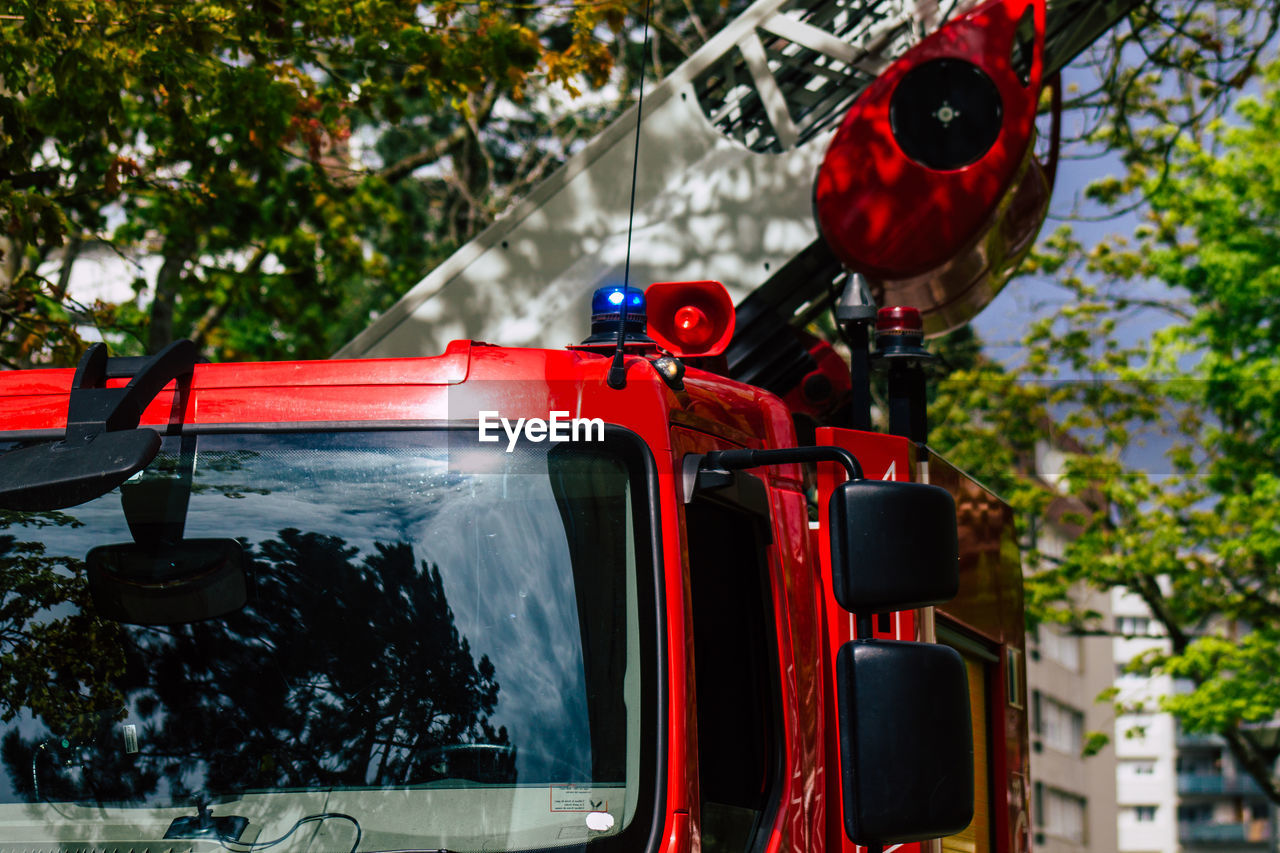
x: 405, y: 166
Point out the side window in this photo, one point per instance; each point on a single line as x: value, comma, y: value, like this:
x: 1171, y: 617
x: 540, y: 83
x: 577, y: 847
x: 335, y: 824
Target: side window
x: 735, y: 663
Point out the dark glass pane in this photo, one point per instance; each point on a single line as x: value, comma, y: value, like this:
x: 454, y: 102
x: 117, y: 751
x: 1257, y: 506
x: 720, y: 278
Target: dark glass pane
x: 440, y: 638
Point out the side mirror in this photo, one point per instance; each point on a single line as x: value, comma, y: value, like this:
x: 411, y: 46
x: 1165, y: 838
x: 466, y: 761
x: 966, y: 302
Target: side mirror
x: 102, y: 446
x: 167, y: 584
x: 894, y: 545
x: 68, y: 473
x: 906, y: 738
x: 906, y: 741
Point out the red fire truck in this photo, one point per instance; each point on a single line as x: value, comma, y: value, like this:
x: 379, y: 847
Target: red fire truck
x: 609, y: 596
x: 486, y: 601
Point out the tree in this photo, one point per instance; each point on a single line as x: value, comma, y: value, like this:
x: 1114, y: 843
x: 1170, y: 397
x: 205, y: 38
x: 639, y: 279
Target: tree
x: 294, y: 167
x: 1197, y: 537
x: 219, y: 131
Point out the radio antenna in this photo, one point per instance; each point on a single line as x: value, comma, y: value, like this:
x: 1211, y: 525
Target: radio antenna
x: 617, y: 371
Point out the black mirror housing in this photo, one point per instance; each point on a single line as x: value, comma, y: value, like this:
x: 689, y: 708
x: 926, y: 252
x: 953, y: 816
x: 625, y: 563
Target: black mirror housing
x: 68, y: 473
x: 894, y: 545
x: 906, y: 741
x: 169, y: 583
x: 102, y: 446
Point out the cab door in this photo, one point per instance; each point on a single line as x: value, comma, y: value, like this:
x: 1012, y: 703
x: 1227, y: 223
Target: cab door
x: 738, y: 726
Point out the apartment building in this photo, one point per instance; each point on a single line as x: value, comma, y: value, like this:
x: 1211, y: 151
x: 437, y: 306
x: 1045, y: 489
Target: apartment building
x: 1176, y: 792
x: 1146, y: 754
x: 1073, y: 797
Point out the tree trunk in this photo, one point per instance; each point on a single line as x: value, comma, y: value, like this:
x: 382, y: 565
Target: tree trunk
x: 177, y: 251
x: 10, y: 265
x: 69, y: 256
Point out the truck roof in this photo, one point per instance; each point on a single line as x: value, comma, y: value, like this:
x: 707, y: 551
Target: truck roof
x: 451, y: 388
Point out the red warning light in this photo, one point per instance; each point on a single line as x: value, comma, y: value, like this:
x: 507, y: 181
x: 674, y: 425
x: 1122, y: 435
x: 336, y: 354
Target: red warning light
x: 690, y: 318
x: 899, y: 320
x: 900, y: 333
x: 692, y: 326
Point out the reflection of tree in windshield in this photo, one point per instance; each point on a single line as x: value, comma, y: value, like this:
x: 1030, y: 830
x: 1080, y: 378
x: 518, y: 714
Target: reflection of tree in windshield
x: 169, y: 465
x: 342, y: 670
x: 57, y: 659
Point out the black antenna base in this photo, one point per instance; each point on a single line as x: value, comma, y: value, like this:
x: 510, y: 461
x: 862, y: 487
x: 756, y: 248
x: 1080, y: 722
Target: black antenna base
x: 617, y: 379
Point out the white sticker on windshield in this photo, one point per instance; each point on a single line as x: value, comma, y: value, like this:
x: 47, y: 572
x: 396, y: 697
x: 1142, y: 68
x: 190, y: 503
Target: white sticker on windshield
x: 600, y: 821
x: 130, y: 738
x: 576, y: 798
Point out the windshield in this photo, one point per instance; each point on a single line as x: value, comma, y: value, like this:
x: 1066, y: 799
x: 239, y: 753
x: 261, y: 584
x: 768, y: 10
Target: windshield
x: 349, y: 641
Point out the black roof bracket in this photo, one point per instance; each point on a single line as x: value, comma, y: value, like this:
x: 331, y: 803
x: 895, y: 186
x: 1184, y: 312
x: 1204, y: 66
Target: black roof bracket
x: 103, y: 445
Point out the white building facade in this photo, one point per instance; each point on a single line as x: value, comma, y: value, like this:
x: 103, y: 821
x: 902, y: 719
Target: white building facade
x: 1176, y: 792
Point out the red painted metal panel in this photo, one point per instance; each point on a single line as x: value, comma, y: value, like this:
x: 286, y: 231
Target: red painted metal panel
x: 891, y: 217
x: 990, y: 606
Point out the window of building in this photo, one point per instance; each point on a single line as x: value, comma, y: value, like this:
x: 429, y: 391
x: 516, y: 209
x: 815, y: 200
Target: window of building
x: 1059, y: 813
x: 1135, y: 727
x: 1200, y: 764
x: 1144, y: 814
x: 1134, y: 626
x: 1057, y: 645
x: 1057, y: 724
x: 1138, y: 767
x: 1123, y: 672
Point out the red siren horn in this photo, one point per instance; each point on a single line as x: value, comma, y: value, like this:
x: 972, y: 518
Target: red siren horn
x: 690, y: 318
x: 931, y: 188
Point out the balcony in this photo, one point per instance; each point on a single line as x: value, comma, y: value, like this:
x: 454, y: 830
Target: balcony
x: 1216, y: 783
x: 1186, y: 739
x: 1253, y: 832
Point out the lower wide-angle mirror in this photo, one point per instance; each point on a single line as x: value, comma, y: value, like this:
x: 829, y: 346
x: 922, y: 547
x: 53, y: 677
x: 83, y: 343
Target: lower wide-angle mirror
x: 906, y: 742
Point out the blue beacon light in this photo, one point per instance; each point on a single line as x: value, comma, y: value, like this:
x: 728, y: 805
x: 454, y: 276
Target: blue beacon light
x: 606, y: 303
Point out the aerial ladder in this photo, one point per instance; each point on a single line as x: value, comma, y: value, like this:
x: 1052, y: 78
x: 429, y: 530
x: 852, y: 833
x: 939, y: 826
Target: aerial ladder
x: 805, y: 140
